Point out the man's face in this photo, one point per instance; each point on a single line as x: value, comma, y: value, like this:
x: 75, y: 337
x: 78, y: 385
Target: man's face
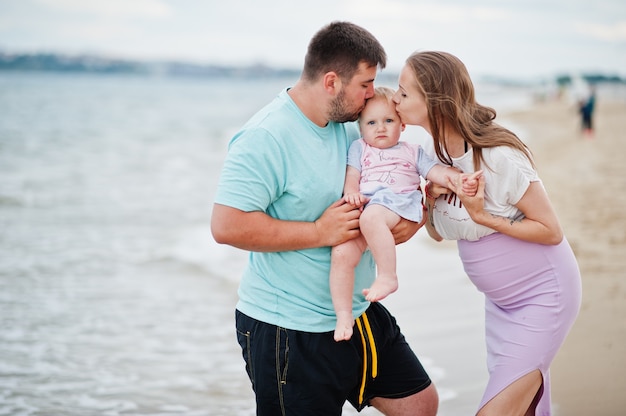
x: 350, y: 100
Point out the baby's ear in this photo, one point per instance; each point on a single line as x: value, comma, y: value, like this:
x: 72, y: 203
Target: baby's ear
x: 403, y: 126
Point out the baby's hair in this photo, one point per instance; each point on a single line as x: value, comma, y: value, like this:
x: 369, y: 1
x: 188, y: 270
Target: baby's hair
x: 384, y: 92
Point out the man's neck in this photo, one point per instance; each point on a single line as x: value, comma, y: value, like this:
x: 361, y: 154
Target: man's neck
x: 310, y: 102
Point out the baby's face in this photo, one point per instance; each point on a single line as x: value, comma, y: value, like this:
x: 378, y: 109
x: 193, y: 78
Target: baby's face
x: 380, y: 124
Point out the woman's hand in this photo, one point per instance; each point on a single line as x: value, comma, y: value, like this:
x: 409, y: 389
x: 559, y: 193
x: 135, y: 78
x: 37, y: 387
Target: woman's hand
x: 538, y: 224
x: 474, y: 205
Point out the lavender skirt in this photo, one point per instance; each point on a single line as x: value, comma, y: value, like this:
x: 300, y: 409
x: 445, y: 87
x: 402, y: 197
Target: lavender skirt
x: 532, y: 297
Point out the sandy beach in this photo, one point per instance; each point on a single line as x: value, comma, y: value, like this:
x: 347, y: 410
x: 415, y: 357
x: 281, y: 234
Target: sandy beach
x: 115, y: 298
x: 585, y: 179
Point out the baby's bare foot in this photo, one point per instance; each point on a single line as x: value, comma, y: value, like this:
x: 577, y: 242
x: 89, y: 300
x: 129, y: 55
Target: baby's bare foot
x: 343, y: 329
x: 382, y: 287
x: 343, y: 333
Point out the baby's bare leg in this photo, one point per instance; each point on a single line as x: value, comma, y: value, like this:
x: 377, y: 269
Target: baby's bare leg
x: 376, y: 223
x: 344, y: 259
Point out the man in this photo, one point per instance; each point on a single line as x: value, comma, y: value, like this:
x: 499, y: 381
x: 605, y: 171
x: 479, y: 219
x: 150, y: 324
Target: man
x: 279, y: 197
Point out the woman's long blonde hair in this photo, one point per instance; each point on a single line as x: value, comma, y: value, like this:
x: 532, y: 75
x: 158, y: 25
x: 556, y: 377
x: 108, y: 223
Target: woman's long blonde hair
x: 450, y: 99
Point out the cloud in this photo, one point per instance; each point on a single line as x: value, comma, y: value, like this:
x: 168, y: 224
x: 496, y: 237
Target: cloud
x: 490, y: 36
x: 420, y: 11
x: 111, y: 8
x: 610, y: 33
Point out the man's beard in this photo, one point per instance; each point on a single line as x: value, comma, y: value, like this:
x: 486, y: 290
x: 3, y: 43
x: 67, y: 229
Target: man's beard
x: 338, y: 111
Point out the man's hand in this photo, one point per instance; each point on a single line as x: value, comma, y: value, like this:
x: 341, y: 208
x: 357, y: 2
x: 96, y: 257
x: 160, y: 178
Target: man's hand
x: 338, y: 223
x: 405, y: 229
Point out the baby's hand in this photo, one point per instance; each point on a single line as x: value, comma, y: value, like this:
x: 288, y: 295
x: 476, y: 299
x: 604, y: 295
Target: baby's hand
x: 470, y: 183
x: 355, y: 199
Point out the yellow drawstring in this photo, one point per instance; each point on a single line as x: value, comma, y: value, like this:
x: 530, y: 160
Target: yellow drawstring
x: 372, y: 346
x: 362, y: 389
x: 370, y: 337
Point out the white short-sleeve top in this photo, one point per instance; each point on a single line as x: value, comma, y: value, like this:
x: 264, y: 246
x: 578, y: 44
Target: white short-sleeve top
x: 507, y: 172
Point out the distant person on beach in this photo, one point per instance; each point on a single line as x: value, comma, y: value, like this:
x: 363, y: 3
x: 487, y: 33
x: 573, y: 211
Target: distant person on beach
x: 586, y: 107
x: 279, y: 197
x: 508, y: 235
x: 383, y: 176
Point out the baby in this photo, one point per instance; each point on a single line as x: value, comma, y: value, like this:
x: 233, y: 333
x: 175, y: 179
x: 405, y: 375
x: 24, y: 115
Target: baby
x: 384, y: 174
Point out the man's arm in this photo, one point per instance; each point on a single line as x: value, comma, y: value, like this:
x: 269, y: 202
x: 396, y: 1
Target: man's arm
x: 257, y: 231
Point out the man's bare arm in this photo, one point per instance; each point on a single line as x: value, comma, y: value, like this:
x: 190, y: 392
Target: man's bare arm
x: 257, y: 231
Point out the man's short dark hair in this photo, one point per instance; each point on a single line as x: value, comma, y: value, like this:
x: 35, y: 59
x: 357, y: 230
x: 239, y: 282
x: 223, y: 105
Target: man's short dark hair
x: 341, y: 47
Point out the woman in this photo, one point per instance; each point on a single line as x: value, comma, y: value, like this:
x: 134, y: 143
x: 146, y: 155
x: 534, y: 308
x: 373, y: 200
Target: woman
x: 509, y: 237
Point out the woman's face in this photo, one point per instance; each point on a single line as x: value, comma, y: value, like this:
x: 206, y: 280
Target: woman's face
x: 410, y: 102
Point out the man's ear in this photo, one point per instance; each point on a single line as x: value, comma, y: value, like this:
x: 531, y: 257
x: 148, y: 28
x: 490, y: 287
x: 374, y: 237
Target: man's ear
x: 332, y: 83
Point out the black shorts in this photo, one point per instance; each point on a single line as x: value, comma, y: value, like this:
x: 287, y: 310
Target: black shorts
x: 303, y: 373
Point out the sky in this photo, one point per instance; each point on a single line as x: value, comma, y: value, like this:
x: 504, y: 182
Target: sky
x: 503, y: 38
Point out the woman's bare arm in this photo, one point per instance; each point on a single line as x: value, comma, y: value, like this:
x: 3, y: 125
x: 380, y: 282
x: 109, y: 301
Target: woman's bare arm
x: 539, y: 225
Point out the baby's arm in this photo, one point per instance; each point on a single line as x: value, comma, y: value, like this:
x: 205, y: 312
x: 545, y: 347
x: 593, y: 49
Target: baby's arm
x: 441, y: 174
x: 351, y: 192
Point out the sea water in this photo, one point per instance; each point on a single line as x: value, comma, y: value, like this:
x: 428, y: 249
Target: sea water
x: 114, y: 298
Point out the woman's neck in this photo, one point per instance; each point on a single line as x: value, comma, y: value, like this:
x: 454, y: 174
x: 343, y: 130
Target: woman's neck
x: 456, y: 145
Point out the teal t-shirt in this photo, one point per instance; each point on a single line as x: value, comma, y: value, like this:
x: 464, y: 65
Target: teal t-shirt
x: 283, y: 164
